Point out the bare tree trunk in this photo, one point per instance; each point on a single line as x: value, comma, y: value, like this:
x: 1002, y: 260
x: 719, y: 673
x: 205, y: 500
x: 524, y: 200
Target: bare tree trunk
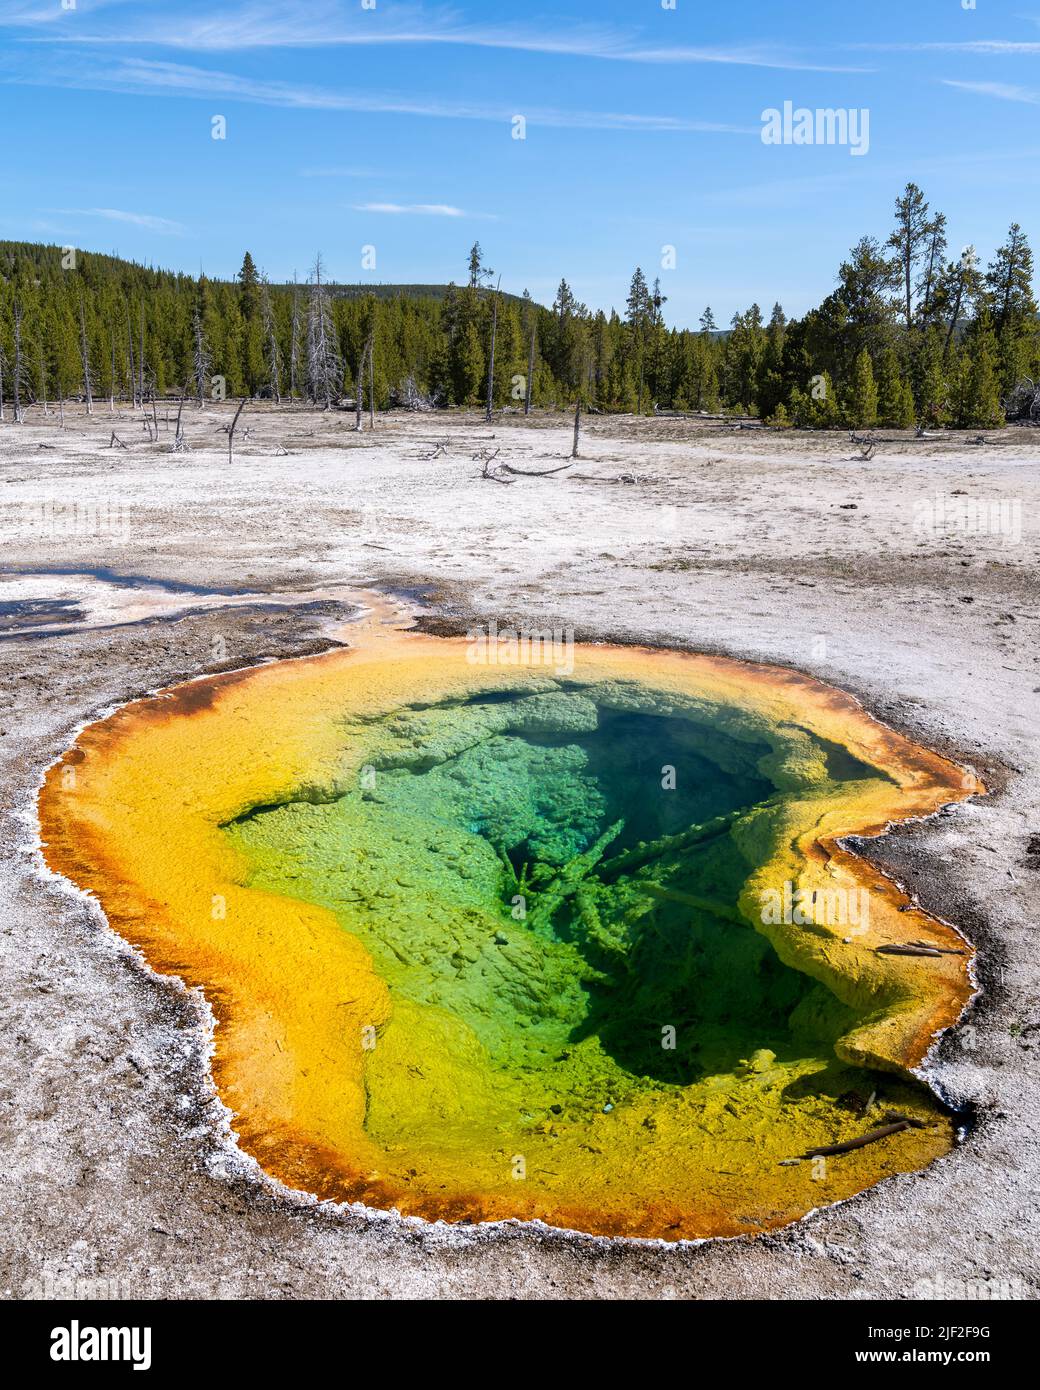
x: 294, y: 342
x: 491, y: 364
x: 954, y: 316
x: 200, y: 359
x: 61, y: 405
x: 231, y: 432
x: 133, y: 377
x: 17, y: 363
x: 41, y: 371
x: 273, y: 364
x: 140, y: 356
x: 577, y: 429
x: 178, y: 438
x: 371, y: 383
x: 359, y: 392
x: 112, y: 377
x: 324, y: 366
x: 530, y: 374
x: 85, y: 358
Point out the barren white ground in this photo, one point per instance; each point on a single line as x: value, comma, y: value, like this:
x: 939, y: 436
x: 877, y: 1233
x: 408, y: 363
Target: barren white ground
x: 116, y: 1175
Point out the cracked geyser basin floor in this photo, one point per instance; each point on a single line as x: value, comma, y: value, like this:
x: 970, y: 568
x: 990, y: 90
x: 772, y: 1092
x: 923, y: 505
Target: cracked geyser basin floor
x: 495, y: 940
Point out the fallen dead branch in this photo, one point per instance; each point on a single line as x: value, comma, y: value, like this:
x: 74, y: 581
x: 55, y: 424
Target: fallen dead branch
x: 116, y: 441
x: 917, y: 948
x: 494, y: 475
x: 866, y: 443
x: 536, y: 473
x: 895, y: 1123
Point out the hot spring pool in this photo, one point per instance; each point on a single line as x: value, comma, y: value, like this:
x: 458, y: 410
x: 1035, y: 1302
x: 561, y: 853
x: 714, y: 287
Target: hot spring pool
x: 489, y: 942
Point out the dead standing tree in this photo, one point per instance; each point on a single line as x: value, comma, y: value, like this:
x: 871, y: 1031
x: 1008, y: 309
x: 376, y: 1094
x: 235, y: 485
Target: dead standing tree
x: 529, y: 385
x: 577, y: 429
x: 179, y: 442
x: 84, y: 354
x: 140, y: 356
x: 271, y: 342
x: 530, y: 323
x: 231, y: 431
x: 324, y: 366
x: 491, y: 360
x: 130, y: 359
x: 200, y: 360
x: 17, y: 363
x: 294, y: 344
x: 372, y: 382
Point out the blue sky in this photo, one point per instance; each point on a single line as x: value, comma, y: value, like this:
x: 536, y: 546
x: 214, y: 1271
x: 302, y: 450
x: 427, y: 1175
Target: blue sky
x: 391, y: 126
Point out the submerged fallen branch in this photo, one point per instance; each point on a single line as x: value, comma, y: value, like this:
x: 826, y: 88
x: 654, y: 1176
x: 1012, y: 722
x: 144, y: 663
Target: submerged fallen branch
x: 713, y: 906
x: 646, y: 851
x: 895, y: 1123
x: 570, y: 878
x: 917, y: 948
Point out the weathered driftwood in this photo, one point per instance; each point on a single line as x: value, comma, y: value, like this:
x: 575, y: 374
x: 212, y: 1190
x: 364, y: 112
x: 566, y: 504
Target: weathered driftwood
x: 494, y: 475
x: 535, y: 473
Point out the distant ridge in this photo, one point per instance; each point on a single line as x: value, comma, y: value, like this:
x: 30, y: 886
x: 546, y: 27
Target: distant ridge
x: 390, y: 291
x: 44, y: 255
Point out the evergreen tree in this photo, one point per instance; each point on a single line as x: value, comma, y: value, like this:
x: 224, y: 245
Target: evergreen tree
x: 978, y: 395
x: 895, y: 399
x: 861, y: 403
x: 249, y: 288
x: 1010, y: 302
x: 910, y: 241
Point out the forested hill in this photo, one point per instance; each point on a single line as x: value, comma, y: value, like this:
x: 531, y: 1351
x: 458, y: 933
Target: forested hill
x: 909, y: 335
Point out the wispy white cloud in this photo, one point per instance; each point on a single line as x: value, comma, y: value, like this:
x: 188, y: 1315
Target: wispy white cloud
x: 1003, y: 91
x: 979, y: 48
x: 419, y: 210
x: 339, y: 171
x: 141, y: 76
x: 326, y: 23
x: 31, y: 14
x: 163, y: 225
